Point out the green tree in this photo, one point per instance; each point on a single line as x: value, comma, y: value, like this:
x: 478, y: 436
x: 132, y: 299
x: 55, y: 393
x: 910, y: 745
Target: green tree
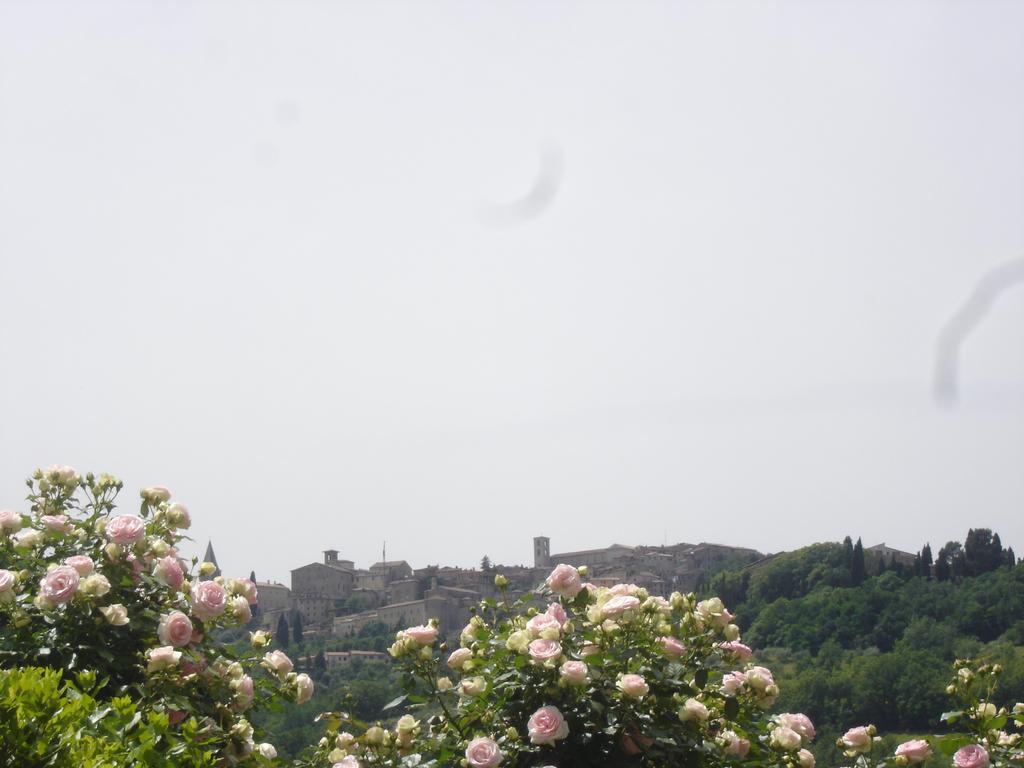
x: 926, y: 561
x: 282, y: 634
x: 857, y: 570
x: 982, y: 552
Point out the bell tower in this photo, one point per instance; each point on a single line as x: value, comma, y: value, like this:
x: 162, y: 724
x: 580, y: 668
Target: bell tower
x: 541, y: 552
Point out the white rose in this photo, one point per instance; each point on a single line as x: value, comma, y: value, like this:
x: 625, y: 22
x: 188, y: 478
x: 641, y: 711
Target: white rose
x: 115, y: 614
x: 693, y: 710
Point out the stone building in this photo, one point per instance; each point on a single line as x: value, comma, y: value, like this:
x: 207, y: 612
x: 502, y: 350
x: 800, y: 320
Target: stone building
x: 332, y: 578
x: 273, y: 600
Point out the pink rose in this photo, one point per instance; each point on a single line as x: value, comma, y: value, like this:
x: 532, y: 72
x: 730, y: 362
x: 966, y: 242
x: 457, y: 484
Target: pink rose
x: 800, y: 723
x: 125, y: 529
x: 459, y: 657
x: 483, y: 753
x: 732, y: 683
x: 619, y: 605
x: 168, y: 572
x: 243, y: 691
x: 542, y: 621
x: 859, y: 740
x: 59, y: 585
x: 734, y: 745
x: 672, y: 647
x: 547, y: 725
x: 589, y: 649
x: 10, y: 520
x: 347, y: 762
x: 545, y: 650
x: 7, y: 582
x: 81, y: 563
x: 423, y: 635
x: 175, y: 629
x: 557, y: 612
x: 916, y: 750
x: 564, y: 581
x: 633, y: 686
x: 759, y: 678
x: 624, y: 589
x: 574, y: 672
x: 56, y: 523
x: 278, y: 663
x: 971, y: 756
x: 806, y: 758
x: 736, y: 650
x: 208, y: 600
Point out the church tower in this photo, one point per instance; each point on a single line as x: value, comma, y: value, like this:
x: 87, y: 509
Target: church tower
x: 209, y: 557
x: 541, y: 552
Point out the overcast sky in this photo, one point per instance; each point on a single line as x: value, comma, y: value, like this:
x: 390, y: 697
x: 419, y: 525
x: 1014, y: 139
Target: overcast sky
x: 247, y: 251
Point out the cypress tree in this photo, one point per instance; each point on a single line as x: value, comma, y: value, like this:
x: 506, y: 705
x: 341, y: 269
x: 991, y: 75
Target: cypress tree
x: 297, y: 628
x: 942, y: 566
x: 926, y: 561
x: 857, y: 571
x: 282, y: 631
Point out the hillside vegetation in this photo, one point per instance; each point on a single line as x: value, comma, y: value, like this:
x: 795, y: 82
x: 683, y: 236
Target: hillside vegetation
x: 853, y: 638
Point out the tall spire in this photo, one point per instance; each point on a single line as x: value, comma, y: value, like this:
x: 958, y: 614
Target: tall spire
x: 209, y: 557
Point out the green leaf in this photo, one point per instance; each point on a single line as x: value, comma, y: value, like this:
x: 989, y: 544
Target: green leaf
x: 701, y: 678
x: 394, y: 702
x: 732, y: 708
x: 951, y: 743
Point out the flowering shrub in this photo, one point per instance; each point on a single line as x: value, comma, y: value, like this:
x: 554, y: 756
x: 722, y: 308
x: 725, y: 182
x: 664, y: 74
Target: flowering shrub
x: 598, y: 677
x: 982, y: 742
x: 107, y: 600
x: 618, y: 677
x: 108, y: 657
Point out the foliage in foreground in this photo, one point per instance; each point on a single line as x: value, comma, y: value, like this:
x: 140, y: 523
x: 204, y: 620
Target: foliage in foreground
x: 128, y: 630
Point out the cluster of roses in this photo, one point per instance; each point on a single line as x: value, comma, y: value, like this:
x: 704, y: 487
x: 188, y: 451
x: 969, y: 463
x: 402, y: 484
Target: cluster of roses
x: 616, y: 675
x: 600, y: 674
x: 985, y: 742
x: 72, y: 568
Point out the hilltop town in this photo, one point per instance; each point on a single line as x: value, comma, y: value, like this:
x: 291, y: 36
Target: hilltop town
x: 333, y: 597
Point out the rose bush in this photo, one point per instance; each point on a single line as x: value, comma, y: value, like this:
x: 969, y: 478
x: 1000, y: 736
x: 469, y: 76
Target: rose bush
x: 596, y: 676
x: 985, y: 737
x: 105, y: 600
x: 104, y: 625
x: 618, y: 677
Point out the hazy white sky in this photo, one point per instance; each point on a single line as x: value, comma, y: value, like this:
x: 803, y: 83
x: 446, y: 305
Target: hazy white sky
x: 241, y: 255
